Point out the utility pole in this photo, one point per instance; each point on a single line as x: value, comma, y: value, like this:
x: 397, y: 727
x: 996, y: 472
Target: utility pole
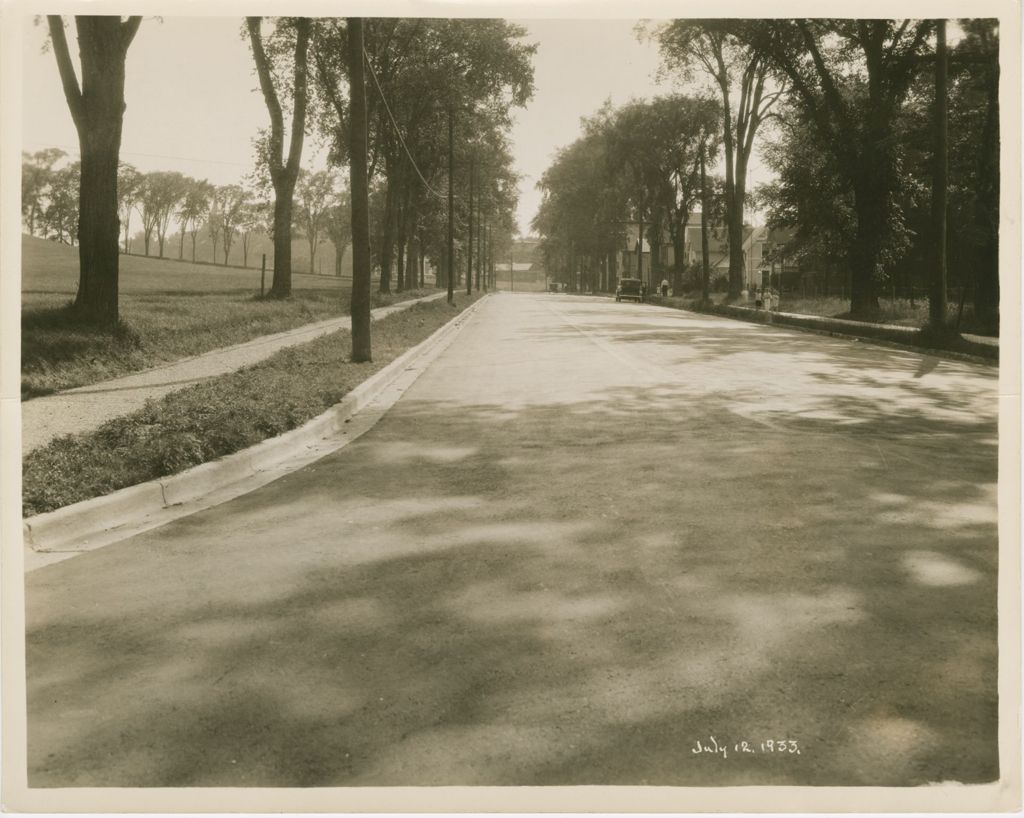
x: 489, y: 271
x: 358, y: 184
x: 482, y: 237
x: 937, y: 299
x: 469, y: 255
x: 511, y: 269
x: 451, y: 208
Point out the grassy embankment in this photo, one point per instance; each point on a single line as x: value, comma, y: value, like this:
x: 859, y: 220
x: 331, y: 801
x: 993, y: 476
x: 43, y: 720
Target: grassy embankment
x: 170, y: 310
x: 219, y: 416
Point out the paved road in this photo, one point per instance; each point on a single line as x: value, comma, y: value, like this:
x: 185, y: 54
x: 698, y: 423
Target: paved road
x: 590, y: 536
x: 88, y: 407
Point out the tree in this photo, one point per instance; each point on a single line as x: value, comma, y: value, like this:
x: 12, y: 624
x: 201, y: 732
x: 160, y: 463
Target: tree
x: 283, y: 172
x: 61, y: 217
x: 696, y: 149
x: 159, y: 195
x: 251, y: 219
x: 640, y: 160
x: 194, y: 208
x: 97, y: 109
x: 314, y: 193
x: 474, y: 69
x: 741, y: 73
x: 810, y: 196
x: 656, y: 147
x: 233, y: 201
x: 149, y: 204
x: 974, y: 162
x: 36, y: 176
x: 129, y: 188
x: 851, y: 77
x: 582, y: 215
x: 338, y: 225
x: 174, y: 187
x: 215, y: 219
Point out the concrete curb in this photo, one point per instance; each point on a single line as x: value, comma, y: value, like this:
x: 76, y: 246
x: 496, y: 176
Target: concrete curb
x: 894, y: 337
x: 100, y: 521
x: 85, y: 408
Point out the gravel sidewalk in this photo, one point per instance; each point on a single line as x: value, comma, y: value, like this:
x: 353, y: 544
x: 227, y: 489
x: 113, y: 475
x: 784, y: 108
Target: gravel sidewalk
x: 88, y: 407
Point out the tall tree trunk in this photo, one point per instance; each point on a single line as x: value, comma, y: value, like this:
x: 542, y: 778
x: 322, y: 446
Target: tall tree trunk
x: 871, y: 206
x: 193, y: 248
x: 654, y: 241
x: 481, y: 238
x: 469, y: 254
x: 359, y: 185
x: 735, y: 232
x: 450, y: 255
x: 98, y: 225
x: 704, y: 250
x: 938, y: 296
x: 387, y: 246
x: 680, y: 266
x: 283, y: 173
x: 986, y: 211
x: 735, y: 215
x: 412, y: 264
x: 97, y: 109
x: 181, y: 245
x: 400, y: 245
x: 640, y: 248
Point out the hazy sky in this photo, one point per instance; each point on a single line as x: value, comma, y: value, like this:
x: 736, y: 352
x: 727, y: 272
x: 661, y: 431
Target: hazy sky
x: 196, y: 108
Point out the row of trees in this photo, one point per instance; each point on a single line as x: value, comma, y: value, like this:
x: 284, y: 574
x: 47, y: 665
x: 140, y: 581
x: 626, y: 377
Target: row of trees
x: 645, y: 162
x: 424, y: 79
x: 870, y: 174
x: 438, y: 100
x: 857, y: 131
x: 195, y: 207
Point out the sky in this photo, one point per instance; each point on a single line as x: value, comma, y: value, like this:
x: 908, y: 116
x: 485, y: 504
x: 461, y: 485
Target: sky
x: 196, y: 109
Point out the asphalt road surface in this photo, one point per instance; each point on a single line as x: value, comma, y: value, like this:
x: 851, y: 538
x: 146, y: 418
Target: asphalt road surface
x: 593, y: 543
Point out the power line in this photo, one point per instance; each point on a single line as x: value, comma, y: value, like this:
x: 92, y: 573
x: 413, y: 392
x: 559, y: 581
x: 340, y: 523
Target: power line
x: 398, y: 131
x: 74, y: 149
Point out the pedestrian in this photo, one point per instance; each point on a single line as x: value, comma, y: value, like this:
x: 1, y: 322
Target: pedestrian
x: 643, y: 291
x: 664, y: 288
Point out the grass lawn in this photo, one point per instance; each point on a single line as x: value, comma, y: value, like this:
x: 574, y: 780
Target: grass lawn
x: 169, y: 310
x: 219, y: 416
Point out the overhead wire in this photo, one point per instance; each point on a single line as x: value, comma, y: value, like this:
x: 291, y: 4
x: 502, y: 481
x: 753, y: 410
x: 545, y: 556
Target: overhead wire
x: 401, y: 139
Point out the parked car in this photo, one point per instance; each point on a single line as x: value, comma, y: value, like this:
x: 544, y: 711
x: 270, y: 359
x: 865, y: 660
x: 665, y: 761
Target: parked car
x: 631, y: 289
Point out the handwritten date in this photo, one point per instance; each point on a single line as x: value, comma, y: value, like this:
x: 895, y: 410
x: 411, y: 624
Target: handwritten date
x: 713, y: 746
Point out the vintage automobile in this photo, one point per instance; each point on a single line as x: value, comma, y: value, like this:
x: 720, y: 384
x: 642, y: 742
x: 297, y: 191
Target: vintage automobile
x: 630, y: 288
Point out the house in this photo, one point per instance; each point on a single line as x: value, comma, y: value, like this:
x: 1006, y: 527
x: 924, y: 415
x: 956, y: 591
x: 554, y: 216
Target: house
x: 755, y: 242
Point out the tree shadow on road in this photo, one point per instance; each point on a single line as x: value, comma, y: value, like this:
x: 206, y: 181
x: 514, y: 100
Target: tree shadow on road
x: 523, y: 589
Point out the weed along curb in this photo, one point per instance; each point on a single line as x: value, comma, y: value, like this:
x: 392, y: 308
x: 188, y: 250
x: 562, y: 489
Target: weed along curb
x: 91, y: 524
